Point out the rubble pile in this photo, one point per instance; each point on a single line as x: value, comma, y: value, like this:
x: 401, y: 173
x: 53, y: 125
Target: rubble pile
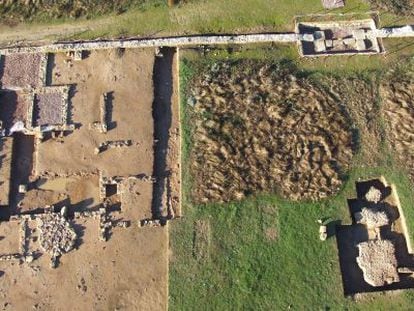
x: 57, y: 236
x: 10, y: 257
x: 373, y: 218
x: 378, y: 262
x: 105, y: 224
x: 150, y: 223
x: 112, y: 144
x: 373, y: 195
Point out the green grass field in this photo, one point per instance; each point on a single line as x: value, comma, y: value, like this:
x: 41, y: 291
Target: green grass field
x: 244, y: 269
x: 154, y: 18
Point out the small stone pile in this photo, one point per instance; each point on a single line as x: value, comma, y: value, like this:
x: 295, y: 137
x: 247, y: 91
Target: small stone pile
x: 56, y: 235
x: 373, y: 218
x: 105, y: 225
x: 150, y: 223
x: 112, y: 144
x: 373, y: 195
x: 9, y: 257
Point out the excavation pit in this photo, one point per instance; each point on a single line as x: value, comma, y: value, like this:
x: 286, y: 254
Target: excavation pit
x: 14, y: 107
x: 373, y: 256
x: 338, y: 38
x: 50, y: 106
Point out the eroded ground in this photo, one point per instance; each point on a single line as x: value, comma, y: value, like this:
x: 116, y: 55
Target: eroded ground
x: 398, y: 105
x: 259, y: 128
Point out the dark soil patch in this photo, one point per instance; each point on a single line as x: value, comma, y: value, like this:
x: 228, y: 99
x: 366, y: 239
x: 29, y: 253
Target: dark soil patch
x: 259, y: 128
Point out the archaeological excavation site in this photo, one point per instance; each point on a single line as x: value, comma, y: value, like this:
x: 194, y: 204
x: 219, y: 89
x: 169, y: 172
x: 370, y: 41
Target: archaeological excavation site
x: 239, y: 164
x: 89, y: 173
x: 375, y: 250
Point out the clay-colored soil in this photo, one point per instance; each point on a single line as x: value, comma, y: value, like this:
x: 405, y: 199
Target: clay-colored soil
x: 260, y: 129
x: 81, y: 192
x: 398, y: 106
x: 9, y: 239
x: 130, y: 80
x: 130, y: 270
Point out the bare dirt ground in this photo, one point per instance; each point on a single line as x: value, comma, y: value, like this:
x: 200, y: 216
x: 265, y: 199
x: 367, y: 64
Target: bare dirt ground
x: 81, y: 192
x: 398, y: 108
x: 129, y: 78
x: 130, y: 270
x: 261, y: 129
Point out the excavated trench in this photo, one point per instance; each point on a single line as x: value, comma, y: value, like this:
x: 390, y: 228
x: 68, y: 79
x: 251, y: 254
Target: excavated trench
x: 162, y: 115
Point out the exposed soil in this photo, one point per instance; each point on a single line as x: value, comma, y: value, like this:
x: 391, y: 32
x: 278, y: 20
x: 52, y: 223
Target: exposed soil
x: 130, y: 270
x: 22, y: 166
x: 258, y: 128
x: 398, y: 106
x: 129, y: 78
x: 166, y: 135
x: 6, y: 147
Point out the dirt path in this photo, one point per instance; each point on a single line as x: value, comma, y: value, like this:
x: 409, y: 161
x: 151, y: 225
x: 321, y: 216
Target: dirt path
x: 43, y: 34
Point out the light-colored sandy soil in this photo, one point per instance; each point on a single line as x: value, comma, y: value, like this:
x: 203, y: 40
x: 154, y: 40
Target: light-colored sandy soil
x: 83, y: 192
x: 130, y: 270
x: 174, y: 144
x: 130, y: 79
x: 9, y: 239
x: 260, y: 129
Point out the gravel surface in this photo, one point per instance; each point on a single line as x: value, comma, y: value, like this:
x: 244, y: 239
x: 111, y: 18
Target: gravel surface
x: 49, y: 109
x: 21, y: 70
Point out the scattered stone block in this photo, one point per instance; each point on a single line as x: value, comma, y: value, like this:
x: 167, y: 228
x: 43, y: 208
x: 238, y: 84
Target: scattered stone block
x: 333, y: 4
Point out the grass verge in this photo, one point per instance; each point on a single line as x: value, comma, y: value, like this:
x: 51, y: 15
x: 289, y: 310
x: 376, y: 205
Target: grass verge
x: 154, y: 18
x: 245, y: 269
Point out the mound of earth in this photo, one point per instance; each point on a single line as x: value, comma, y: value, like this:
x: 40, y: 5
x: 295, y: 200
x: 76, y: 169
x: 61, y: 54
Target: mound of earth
x: 398, y: 106
x: 257, y: 128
